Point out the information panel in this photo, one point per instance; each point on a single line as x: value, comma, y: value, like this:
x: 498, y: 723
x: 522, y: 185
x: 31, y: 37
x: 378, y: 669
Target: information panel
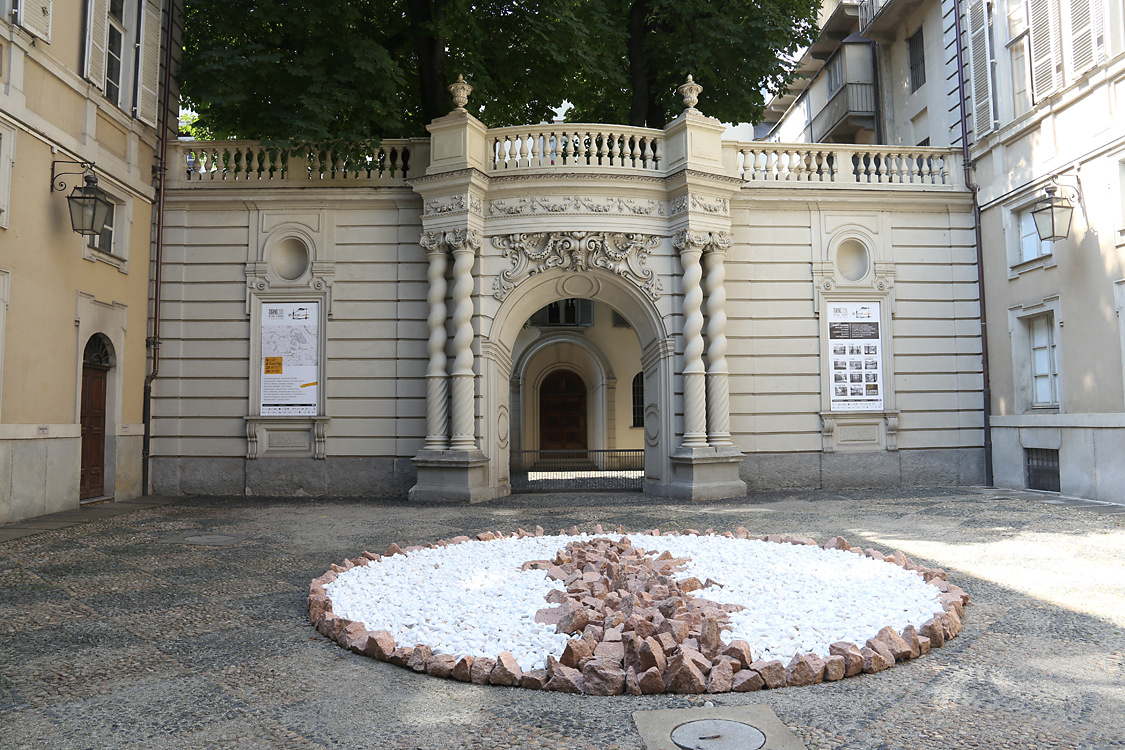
x: 290, y: 358
x: 855, y: 349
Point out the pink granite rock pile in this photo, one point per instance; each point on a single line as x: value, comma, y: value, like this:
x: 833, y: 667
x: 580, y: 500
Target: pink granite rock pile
x: 637, y: 629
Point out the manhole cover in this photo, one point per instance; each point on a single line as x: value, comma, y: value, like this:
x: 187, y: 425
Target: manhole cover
x: 207, y: 539
x: 717, y: 734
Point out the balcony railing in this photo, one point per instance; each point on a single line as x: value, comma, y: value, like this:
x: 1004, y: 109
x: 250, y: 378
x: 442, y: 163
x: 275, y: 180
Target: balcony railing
x: 574, y: 149
x: 851, y: 99
x: 250, y: 162
x: 766, y: 164
x: 575, y: 145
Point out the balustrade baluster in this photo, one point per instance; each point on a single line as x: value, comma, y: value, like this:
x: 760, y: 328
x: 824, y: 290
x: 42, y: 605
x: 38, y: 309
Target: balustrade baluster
x: 657, y: 154
x: 534, y: 159
x: 603, y: 148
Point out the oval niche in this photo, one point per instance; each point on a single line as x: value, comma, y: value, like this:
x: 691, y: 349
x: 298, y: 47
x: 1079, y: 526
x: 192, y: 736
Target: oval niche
x: 852, y: 260
x: 290, y: 258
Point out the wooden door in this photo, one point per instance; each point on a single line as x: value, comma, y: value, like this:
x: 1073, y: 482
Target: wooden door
x: 92, y: 415
x: 562, y: 412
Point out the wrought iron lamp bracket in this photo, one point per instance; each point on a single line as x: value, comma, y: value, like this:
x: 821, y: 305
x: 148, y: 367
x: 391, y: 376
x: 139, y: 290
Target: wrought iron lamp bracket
x: 87, y: 168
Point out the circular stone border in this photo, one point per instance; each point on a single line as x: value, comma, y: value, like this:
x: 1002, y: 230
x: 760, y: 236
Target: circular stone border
x: 699, y: 662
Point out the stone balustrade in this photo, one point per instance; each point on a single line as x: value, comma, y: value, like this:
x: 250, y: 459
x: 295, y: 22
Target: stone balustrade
x: 575, y: 145
x: 885, y: 166
x: 583, y: 148
x: 252, y: 162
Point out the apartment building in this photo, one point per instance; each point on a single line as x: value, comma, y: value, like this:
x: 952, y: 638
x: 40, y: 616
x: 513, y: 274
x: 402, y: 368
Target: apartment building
x: 79, y: 110
x: 1033, y: 87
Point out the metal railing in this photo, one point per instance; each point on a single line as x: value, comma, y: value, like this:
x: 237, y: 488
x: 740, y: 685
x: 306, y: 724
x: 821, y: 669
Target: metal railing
x: 851, y: 99
x: 577, y: 470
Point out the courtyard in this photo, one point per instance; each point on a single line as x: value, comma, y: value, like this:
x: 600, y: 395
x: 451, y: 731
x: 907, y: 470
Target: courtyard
x: 115, y: 633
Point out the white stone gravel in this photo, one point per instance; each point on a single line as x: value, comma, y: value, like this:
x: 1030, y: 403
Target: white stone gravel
x: 472, y: 598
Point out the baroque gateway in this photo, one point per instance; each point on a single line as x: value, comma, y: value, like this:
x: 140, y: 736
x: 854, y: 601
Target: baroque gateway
x: 748, y: 315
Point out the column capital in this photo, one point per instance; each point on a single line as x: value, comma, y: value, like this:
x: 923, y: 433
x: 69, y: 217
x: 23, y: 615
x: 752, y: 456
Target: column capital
x: 463, y: 239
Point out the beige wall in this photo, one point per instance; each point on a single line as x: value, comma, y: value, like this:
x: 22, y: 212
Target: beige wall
x: 61, y: 291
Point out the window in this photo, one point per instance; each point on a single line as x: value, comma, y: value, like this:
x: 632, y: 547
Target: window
x: 1019, y: 61
x: 835, y: 73
x: 1031, y: 247
x: 7, y: 142
x: 112, y: 245
x: 1043, y: 469
x: 565, y: 313
x: 104, y: 241
x: 639, y: 400
x: 1044, y: 374
x: 916, y: 47
x: 122, y: 53
x: 114, y: 43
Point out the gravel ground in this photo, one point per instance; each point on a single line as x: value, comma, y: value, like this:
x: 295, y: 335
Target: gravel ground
x: 110, y: 637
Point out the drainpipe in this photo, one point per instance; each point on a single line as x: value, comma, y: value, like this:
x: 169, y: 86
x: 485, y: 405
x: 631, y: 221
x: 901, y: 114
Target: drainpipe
x: 877, y: 85
x: 968, y: 165
x: 153, y: 341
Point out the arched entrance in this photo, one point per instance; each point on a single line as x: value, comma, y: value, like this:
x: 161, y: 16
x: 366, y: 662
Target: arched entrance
x: 647, y: 465
x: 562, y: 412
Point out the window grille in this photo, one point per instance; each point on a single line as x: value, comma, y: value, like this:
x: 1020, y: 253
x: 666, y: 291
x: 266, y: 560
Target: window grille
x: 917, y: 61
x: 1042, y: 469
x: 567, y: 313
x: 639, y: 400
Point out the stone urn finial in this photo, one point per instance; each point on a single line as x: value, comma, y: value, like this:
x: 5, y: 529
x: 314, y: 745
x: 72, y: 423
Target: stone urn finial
x: 690, y: 91
x: 460, y: 91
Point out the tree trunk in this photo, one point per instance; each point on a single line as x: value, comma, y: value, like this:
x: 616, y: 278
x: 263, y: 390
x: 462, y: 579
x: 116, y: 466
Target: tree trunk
x: 638, y: 64
x: 426, y: 16
x: 657, y: 118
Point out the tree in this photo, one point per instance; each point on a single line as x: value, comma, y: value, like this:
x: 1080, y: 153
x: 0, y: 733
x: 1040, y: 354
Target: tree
x: 354, y: 70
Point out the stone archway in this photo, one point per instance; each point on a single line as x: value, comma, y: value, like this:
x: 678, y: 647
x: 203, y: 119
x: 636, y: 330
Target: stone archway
x: 657, y: 360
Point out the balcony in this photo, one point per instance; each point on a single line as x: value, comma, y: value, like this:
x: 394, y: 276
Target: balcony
x: 576, y: 152
x: 850, y: 110
x: 881, y: 19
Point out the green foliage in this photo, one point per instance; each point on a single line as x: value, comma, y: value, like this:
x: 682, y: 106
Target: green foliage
x: 349, y: 71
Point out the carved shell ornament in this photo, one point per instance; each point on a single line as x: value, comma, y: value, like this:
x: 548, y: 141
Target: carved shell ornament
x: 623, y: 254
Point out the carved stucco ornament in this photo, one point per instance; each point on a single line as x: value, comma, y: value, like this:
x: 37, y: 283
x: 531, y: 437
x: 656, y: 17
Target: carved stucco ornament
x: 624, y: 254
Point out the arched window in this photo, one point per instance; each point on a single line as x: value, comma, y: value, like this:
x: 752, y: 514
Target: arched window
x: 639, y: 400
x: 97, y: 352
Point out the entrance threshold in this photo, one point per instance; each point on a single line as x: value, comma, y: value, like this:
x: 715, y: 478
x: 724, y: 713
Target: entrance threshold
x: 577, y: 470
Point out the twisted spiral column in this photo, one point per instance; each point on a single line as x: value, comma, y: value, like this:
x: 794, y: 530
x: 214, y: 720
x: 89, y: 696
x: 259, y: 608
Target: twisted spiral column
x: 464, y: 408
x: 437, y: 381
x: 695, y: 388
x: 718, y: 377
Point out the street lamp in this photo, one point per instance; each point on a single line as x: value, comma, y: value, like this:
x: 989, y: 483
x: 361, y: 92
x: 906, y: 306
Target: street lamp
x: 1052, y: 216
x: 89, y: 205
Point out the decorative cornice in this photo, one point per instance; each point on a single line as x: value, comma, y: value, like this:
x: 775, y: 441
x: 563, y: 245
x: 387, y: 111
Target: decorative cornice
x: 623, y: 254
x: 575, y: 205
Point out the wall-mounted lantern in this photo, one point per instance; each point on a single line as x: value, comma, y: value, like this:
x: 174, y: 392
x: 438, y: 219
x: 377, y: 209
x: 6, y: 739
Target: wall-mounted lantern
x: 1052, y: 216
x: 89, y: 205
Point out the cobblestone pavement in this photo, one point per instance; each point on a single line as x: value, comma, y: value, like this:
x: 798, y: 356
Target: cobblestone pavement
x: 111, y: 637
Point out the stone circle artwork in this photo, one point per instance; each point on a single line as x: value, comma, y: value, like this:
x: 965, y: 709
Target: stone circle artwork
x: 639, y: 613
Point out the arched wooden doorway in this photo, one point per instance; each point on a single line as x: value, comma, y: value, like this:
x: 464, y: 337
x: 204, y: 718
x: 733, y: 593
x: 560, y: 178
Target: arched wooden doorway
x: 97, y: 359
x: 562, y: 412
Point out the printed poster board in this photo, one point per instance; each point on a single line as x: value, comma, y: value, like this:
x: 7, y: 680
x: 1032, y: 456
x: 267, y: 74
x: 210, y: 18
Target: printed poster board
x: 855, y: 354
x: 290, y: 358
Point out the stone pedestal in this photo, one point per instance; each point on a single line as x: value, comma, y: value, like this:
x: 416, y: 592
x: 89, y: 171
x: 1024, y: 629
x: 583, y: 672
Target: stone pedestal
x: 703, y: 474
x: 451, y: 477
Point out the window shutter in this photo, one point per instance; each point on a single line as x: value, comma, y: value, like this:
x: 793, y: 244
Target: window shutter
x: 1098, y: 30
x: 35, y: 17
x: 97, y: 13
x: 981, y: 66
x: 149, y: 74
x: 1081, y: 36
x: 1044, y: 47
